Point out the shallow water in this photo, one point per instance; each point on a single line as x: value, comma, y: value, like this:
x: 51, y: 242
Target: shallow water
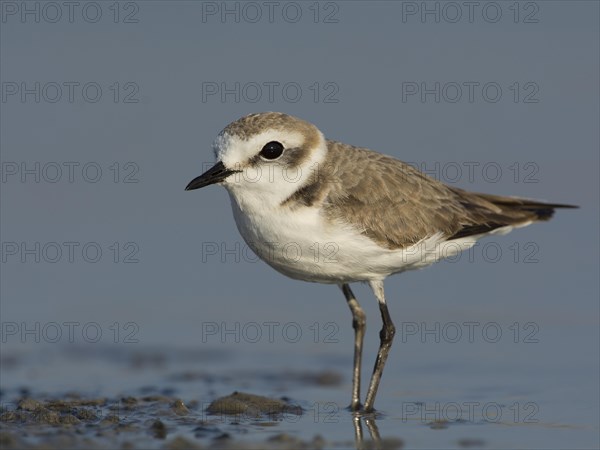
x: 448, y: 395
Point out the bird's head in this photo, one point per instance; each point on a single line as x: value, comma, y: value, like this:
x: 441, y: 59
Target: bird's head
x: 268, y: 155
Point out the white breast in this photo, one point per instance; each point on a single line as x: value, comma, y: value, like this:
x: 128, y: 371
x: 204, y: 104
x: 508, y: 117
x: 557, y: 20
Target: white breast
x: 302, y: 244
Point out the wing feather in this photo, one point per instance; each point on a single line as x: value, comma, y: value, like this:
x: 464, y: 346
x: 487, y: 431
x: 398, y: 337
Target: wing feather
x: 396, y: 205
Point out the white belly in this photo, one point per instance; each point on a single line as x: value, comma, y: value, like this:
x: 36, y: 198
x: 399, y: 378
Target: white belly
x: 301, y: 244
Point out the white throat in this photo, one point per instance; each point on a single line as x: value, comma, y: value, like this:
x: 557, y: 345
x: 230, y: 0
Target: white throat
x: 267, y: 186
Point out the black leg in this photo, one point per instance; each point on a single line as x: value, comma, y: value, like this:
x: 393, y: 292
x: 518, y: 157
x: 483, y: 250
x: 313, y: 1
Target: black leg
x: 359, y: 323
x: 386, y: 336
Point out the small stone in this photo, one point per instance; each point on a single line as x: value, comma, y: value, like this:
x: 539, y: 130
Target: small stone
x: 14, y: 417
x: 250, y: 405
x: 88, y: 415
x: 159, y: 429
x: 471, y: 443
x: 8, y: 440
x: 45, y: 416
x: 110, y: 420
x: 438, y: 424
x: 222, y: 437
x: 129, y: 401
x: 28, y: 404
x: 285, y: 438
x: 181, y: 443
x: 179, y: 408
x: 69, y: 419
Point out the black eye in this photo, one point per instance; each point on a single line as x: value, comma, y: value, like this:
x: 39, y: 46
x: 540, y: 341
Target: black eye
x: 272, y: 150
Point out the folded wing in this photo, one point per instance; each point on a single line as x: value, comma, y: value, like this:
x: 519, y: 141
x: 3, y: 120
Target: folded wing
x: 397, y: 206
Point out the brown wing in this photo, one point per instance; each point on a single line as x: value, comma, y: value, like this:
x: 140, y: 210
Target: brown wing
x: 396, y: 205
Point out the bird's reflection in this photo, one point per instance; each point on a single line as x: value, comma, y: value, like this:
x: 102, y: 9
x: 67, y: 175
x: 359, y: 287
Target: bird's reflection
x: 373, y: 432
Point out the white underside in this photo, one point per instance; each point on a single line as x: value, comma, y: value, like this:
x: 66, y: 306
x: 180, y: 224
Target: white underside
x: 303, y: 245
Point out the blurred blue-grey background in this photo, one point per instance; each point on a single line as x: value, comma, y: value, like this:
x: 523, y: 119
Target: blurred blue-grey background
x: 109, y: 109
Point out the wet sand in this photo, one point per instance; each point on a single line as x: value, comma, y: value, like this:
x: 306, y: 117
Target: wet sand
x: 106, y: 398
x: 152, y: 421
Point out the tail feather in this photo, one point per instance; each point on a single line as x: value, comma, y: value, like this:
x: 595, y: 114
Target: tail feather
x: 490, y: 212
x: 538, y: 210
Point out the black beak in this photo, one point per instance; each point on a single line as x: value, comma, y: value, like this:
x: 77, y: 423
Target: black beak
x: 215, y: 174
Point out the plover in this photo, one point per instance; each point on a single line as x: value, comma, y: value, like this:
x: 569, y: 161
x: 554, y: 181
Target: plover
x: 327, y: 212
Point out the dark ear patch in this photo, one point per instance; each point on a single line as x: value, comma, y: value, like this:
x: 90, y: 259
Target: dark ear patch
x: 294, y: 157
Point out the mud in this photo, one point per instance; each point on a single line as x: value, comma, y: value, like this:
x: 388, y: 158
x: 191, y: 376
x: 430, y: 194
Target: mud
x: 152, y: 421
x: 251, y: 405
x: 189, y: 400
